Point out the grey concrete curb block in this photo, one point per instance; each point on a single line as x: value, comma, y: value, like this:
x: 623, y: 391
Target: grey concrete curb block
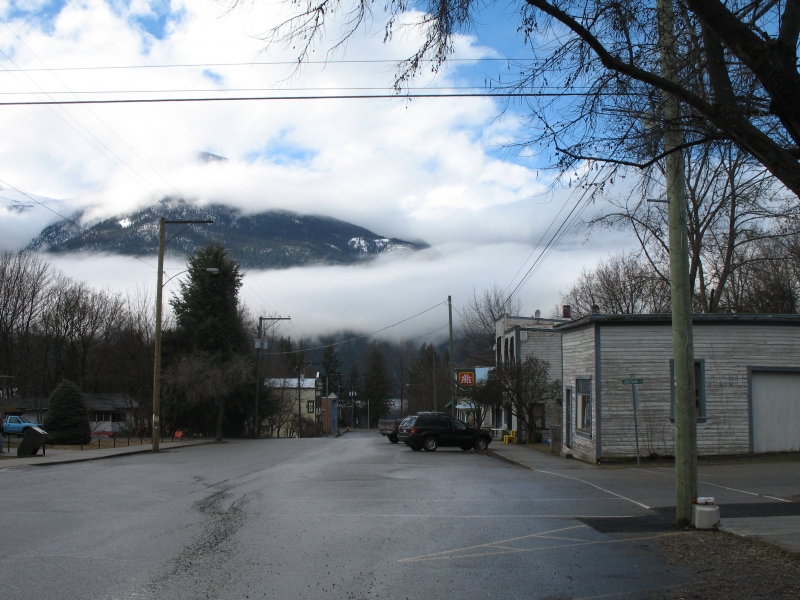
x: 44, y: 461
x: 506, y: 459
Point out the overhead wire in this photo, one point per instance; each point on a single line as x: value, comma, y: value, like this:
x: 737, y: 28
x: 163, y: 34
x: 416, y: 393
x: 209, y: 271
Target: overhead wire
x: 43, y: 205
x: 392, y: 96
x: 273, y: 63
x: 361, y: 337
x: 95, y: 115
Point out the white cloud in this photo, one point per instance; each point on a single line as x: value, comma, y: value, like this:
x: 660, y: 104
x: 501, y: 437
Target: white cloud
x: 423, y: 170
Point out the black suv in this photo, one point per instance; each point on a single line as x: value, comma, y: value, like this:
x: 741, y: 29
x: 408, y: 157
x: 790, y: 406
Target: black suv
x: 429, y: 430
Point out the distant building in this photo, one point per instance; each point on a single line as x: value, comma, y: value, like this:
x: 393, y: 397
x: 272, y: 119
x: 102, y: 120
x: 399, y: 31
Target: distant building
x: 517, y: 338
x: 297, y: 400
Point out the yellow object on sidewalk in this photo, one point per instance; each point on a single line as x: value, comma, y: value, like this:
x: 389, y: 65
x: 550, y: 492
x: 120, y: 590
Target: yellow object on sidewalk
x: 511, y: 438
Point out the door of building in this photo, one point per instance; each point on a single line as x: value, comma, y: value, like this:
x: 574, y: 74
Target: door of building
x: 775, y: 397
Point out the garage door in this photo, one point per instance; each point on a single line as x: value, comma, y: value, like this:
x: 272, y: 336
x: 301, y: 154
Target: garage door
x: 776, y: 411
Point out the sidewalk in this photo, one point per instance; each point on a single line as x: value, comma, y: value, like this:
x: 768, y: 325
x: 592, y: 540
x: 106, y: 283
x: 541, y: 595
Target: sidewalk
x: 59, y: 457
x: 755, y: 499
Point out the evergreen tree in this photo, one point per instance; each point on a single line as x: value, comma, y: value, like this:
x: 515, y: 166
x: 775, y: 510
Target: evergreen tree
x: 352, y: 394
x: 429, y: 380
x: 67, y: 418
x: 210, y: 324
x: 331, y: 367
x: 207, y: 305
x: 377, y: 382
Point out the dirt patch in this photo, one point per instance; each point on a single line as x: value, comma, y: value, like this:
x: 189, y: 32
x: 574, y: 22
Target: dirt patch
x: 729, y: 567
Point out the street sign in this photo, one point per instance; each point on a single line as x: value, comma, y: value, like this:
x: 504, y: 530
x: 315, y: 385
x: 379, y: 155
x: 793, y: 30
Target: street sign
x: 466, y: 378
x: 632, y: 381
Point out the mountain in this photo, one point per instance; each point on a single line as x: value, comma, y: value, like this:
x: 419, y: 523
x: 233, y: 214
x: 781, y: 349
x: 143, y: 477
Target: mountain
x: 275, y: 239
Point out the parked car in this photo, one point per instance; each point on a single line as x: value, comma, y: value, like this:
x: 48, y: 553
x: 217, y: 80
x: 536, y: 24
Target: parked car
x: 17, y: 425
x: 430, y: 430
x: 390, y: 428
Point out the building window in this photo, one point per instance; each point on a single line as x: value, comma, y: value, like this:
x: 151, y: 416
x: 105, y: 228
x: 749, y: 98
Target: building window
x: 310, y: 406
x: 568, y: 404
x: 583, y: 395
x: 499, y: 349
x: 699, y: 388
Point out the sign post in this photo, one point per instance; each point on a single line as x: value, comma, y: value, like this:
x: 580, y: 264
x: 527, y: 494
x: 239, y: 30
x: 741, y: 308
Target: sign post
x: 635, y: 399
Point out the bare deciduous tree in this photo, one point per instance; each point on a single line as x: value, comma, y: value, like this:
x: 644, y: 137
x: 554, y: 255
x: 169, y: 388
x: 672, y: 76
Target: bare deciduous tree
x: 476, y: 335
x: 625, y: 283
x: 529, y: 391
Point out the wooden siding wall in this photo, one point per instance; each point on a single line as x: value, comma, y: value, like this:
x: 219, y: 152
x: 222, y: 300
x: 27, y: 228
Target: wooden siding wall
x: 578, y: 352
x: 646, y: 350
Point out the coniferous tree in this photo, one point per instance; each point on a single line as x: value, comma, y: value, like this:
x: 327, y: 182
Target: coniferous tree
x: 207, y: 306
x: 209, y: 320
x: 377, y: 382
x: 331, y: 367
x: 67, y: 418
x: 352, y: 392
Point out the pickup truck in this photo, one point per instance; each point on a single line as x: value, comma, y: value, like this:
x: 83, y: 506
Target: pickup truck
x: 390, y: 428
x: 17, y: 425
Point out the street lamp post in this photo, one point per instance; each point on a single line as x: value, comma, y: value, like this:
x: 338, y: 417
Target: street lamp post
x: 159, y: 292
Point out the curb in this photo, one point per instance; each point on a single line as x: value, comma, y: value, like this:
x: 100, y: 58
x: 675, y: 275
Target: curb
x: 511, y: 461
x: 69, y: 459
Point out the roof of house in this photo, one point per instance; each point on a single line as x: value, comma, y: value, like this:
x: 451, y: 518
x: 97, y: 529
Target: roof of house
x: 699, y: 319
x: 107, y: 401
x: 291, y: 382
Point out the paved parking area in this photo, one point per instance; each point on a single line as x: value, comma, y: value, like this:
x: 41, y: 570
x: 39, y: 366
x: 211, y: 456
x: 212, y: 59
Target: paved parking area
x: 755, y: 498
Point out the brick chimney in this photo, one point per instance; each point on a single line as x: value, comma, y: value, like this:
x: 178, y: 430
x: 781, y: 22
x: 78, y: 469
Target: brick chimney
x: 566, y: 312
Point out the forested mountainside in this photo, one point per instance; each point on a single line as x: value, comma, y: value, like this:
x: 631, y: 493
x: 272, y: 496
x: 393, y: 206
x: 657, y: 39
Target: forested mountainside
x: 274, y: 239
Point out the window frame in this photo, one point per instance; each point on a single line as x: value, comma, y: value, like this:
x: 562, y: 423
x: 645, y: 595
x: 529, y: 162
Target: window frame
x: 580, y: 399
x: 699, y: 368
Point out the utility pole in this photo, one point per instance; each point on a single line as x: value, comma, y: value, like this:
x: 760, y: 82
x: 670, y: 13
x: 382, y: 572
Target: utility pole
x: 259, y: 344
x: 162, y: 229
x: 452, y: 360
x: 680, y: 288
x: 433, y: 371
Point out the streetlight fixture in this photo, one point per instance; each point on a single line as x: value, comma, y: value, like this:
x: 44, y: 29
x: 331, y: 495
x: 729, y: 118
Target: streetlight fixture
x: 159, y: 293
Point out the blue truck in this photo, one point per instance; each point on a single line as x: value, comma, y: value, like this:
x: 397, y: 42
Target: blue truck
x: 18, y: 425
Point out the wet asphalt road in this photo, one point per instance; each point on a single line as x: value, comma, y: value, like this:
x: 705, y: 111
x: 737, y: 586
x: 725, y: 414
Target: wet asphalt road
x: 349, y: 517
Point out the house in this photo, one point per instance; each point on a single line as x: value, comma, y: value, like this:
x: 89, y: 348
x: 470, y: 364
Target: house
x: 296, y: 399
x: 109, y: 413
x: 519, y: 337
x: 747, y: 394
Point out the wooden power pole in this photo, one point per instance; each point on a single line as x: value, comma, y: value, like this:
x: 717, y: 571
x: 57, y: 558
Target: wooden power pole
x: 680, y: 285
x: 452, y: 360
x: 162, y: 227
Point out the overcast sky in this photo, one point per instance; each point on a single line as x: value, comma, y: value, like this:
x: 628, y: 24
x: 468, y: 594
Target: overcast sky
x: 431, y: 169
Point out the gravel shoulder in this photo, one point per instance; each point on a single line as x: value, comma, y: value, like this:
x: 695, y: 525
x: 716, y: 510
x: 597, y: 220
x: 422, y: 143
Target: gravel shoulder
x: 729, y: 567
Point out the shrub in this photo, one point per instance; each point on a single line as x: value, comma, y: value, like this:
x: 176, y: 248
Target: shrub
x: 67, y: 418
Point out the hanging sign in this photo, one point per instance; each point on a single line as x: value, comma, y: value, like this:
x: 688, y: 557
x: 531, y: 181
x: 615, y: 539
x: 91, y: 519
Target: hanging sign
x: 466, y: 378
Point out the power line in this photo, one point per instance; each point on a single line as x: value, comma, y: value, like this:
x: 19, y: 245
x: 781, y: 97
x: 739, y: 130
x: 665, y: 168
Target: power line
x: 399, y: 96
x: 164, y: 179
x: 273, y: 63
x: 268, y: 89
x: 556, y: 238
x: 366, y: 335
x: 89, y: 231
